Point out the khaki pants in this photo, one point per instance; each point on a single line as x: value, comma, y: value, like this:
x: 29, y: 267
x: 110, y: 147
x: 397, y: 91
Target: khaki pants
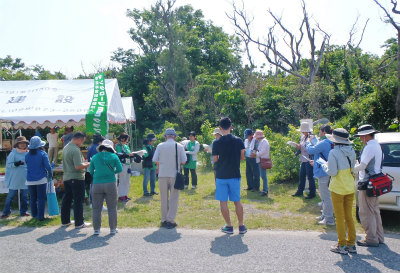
x: 169, y: 198
x: 342, y: 205
x: 53, y: 154
x: 107, y: 191
x: 370, y: 218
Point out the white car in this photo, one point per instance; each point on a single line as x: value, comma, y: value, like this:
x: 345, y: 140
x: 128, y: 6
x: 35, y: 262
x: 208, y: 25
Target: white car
x: 390, y: 143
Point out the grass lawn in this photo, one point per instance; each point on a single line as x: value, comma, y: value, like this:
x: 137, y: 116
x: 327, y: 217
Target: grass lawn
x: 199, y: 210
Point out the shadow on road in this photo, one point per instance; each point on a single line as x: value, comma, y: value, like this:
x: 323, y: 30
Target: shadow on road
x: 59, y: 235
x: 162, y: 236
x: 15, y: 231
x: 91, y: 242
x: 362, y: 262
x: 228, y: 245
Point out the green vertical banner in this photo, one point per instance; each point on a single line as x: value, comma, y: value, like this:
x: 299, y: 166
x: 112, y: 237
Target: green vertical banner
x: 96, y: 118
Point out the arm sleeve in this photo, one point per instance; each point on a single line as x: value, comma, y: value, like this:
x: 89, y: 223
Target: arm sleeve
x: 264, y: 152
x: 331, y: 168
x: 313, y: 150
x: 146, y: 154
x: 367, y: 155
x: 47, y: 164
x: 360, y: 167
x: 10, y: 160
x: 76, y: 159
x: 118, y: 165
x: 156, y: 154
x: 183, y: 154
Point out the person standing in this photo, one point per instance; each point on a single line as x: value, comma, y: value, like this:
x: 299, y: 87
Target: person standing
x: 15, y: 177
x: 39, y: 173
x: 321, y: 149
x: 68, y: 134
x: 74, y: 166
x: 52, y: 139
x: 165, y: 159
x: 149, y: 167
x: 124, y: 185
x: 217, y: 134
x: 262, y: 152
x: 252, y: 171
x: 339, y: 167
x: 227, y: 153
x: 192, y: 147
x: 103, y: 167
x: 97, y: 140
x: 306, y: 170
x: 370, y: 164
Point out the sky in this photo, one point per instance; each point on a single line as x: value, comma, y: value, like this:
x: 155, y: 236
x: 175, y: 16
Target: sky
x: 72, y: 36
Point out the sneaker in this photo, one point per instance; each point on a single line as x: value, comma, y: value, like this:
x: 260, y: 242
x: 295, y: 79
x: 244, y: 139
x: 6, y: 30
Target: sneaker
x: 96, y: 232
x: 91, y: 206
x: 68, y: 224
x: 351, y: 249
x: 25, y: 214
x: 171, y: 225
x: 297, y: 194
x: 5, y: 216
x: 242, y: 229
x: 339, y: 249
x: 113, y: 231
x: 320, y: 204
x: 263, y: 193
x: 227, y: 229
x: 320, y: 218
x: 154, y: 193
x: 147, y: 194
x: 248, y: 189
x: 326, y: 223
x: 84, y: 225
x: 164, y: 224
x: 193, y: 187
x: 364, y: 242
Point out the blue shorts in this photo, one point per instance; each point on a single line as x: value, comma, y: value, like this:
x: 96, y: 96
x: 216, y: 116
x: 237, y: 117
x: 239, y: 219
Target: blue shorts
x: 227, y: 188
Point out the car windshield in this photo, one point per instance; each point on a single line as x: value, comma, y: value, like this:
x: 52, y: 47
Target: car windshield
x: 392, y: 154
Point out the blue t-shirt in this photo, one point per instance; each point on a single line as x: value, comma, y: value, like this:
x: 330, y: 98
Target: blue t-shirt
x: 228, y: 148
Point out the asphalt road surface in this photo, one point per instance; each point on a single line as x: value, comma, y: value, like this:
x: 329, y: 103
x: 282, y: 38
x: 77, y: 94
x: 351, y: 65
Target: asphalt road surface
x: 182, y: 250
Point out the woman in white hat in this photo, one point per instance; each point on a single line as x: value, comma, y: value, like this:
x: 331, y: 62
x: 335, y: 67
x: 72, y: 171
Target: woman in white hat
x: 262, y: 152
x: 339, y: 167
x: 103, y: 167
x: 306, y: 170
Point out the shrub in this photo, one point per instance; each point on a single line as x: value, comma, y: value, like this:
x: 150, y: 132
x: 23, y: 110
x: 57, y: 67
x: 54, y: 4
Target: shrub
x: 286, y: 165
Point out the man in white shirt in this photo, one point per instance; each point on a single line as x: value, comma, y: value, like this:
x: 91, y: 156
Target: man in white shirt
x: 370, y: 164
x: 165, y: 159
x: 52, y: 139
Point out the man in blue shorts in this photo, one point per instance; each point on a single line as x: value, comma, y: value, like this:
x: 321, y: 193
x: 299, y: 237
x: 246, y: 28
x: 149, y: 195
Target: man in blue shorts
x: 227, y: 152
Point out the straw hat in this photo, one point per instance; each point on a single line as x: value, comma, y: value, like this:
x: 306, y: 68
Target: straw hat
x: 339, y: 136
x: 20, y: 139
x: 365, y: 130
x: 304, y: 128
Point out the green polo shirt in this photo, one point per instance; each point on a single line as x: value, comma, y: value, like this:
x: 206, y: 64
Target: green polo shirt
x: 71, y: 158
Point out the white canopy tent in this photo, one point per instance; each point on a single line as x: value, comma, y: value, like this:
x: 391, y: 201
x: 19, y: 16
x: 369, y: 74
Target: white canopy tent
x: 129, y: 109
x: 40, y: 104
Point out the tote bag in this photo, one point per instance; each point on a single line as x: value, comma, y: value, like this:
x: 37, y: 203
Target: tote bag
x: 52, y: 203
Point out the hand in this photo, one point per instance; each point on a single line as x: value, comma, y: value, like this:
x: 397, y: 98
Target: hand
x: 86, y: 164
x: 18, y: 163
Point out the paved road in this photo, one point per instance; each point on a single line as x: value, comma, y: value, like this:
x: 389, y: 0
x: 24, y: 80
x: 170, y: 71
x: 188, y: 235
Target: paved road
x: 160, y: 250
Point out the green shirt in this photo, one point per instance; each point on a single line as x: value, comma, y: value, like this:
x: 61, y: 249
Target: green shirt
x: 123, y: 149
x: 104, y: 166
x: 71, y: 158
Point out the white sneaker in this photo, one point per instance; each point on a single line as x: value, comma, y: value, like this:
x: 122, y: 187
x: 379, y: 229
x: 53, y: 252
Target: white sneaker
x: 193, y: 187
x: 319, y: 218
x: 84, y: 225
x: 113, y: 231
x: 96, y: 232
x: 320, y: 204
x: 326, y: 223
x: 70, y: 223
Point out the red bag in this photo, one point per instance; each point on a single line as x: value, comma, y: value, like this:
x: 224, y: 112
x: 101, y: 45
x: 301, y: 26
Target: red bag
x: 266, y: 163
x: 379, y: 184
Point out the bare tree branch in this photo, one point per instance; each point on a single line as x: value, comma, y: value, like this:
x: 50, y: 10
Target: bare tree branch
x: 388, y: 15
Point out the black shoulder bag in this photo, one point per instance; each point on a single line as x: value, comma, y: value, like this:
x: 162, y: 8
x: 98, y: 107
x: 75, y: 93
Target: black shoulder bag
x: 179, y: 179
